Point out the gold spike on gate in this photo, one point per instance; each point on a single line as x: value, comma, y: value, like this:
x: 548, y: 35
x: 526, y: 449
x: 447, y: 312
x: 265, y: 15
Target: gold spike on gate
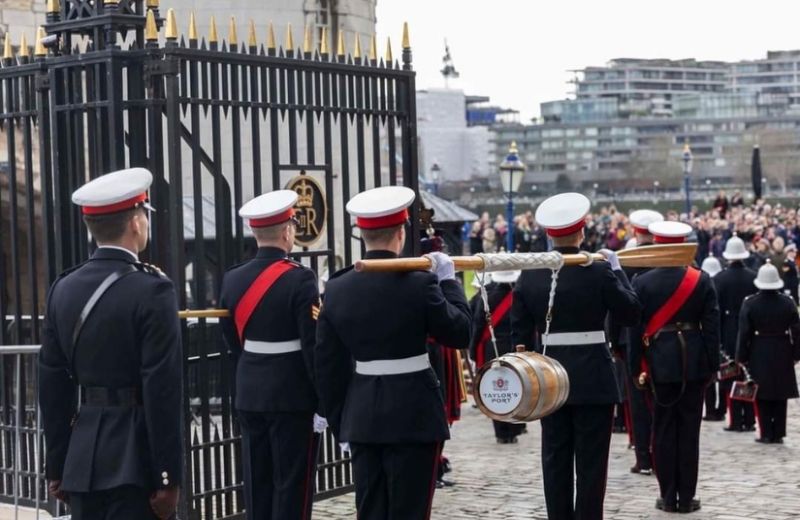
x: 406, y: 39
x: 40, y: 49
x: 233, y: 40
x: 357, y: 50
x: 252, y: 41
x: 172, y: 26
x: 192, y: 27
x: 340, y: 51
x: 271, y: 37
x: 53, y: 6
x: 389, y: 58
x: 307, y: 40
x: 323, y: 44
x: 24, y: 52
x: 152, y: 4
x: 373, y: 48
x: 289, y: 39
x: 212, y: 31
x: 150, y: 27
x: 7, y: 54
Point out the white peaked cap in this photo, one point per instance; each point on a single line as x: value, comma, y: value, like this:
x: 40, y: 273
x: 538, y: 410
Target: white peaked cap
x: 669, y: 232
x: 381, y: 207
x: 270, y: 208
x: 642, y: 218
x: 114, y: 192
x: 505, y: 276
x: 563, y: 214
x: 768, y: 278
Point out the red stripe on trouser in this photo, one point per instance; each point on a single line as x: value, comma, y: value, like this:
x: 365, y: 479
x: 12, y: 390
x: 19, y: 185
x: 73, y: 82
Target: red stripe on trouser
x: 758, y: 419
x: 307, y: 496
x: 436, y: 454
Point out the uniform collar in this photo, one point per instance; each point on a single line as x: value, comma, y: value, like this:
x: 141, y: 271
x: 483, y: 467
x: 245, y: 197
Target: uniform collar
x: 379, y: 255
x: 114, y: 253
x: 270, y: 253
x: 567, y: 250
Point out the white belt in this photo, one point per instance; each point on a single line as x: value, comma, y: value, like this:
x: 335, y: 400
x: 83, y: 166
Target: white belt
x: 390, y: 367
x: 270, y: 347
x: 576, y: 338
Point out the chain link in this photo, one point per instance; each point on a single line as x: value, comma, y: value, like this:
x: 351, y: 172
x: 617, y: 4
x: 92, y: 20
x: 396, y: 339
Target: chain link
x: 549, y: 317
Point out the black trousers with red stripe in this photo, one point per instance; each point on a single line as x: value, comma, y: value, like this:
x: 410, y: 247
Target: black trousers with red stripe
x: 676, y: 440
x: 279, y: 452
x: 576, y: 439
x: 395, y: 481
x: 772, y: 419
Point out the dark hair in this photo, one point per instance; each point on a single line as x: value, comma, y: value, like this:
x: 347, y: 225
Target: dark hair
x: 379, y: 236
x: 111, y: 227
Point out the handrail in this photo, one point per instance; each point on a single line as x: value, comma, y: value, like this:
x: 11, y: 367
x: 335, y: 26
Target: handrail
x: 19, y: 349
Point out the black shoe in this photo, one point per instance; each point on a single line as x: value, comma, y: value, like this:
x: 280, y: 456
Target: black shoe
x: 641, y: 471
x: 667, y: 508
x: 777, y: 441
x: 691, y: 507
x: 445, y: 464
x: 444, y: 483
x: 510, y: 440
x: 710, y: 418
x: 763, y: 440
x: 736, y: 429
x: 750, y: 428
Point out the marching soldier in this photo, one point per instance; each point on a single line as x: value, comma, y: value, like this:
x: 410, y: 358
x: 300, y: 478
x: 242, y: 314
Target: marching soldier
x: 715, y: 401
x: 500, y: 298
x: 110, y: 395
x: 389, y: 410
x: 641, y: 415
x: 274, y: 303
x: 676, y: 351
x: 578, y: 435
x: 733, y: 285
x: 769, y: 344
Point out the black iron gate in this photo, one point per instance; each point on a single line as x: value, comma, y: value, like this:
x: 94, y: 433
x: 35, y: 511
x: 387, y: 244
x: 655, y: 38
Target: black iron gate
x: 218, y: 121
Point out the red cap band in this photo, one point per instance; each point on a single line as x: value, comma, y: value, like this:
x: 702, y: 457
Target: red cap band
x: 395, y: 219
x: 273, y: 220
x: 562, y: 232
x: 668, y: 240
x: 641, y: 230
x: 114, y: 208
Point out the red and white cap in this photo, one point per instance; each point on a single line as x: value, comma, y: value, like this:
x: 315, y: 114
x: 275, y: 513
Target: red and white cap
x: 270, y: 209
x: 669, y: 232
x: 642, y: 218
x: 114, y: 192
x: 381, y: 207
x: 563, y: 214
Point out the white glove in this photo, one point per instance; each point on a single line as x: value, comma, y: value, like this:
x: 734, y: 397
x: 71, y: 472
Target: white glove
x: 345, y: 447
x: 443, y: 266
x: 320, y: 423
x: 611, y: 258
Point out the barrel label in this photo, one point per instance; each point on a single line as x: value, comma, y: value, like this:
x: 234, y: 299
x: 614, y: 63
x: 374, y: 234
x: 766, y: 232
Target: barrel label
x: 501, y: 390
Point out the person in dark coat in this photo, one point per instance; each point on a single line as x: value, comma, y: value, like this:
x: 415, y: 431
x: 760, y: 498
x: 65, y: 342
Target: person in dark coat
x: 110, y: 395
x: 274, y: 303
x: 577, y: 436
x: 715, y: 401
x: 789, y: 270
x: 769, y: 346
x: 387, y: 407
x: 482, y: 348
x: 733, y: 285
x: 675, y: 349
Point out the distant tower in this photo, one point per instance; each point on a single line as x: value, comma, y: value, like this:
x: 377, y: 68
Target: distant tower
x: 449, y: 70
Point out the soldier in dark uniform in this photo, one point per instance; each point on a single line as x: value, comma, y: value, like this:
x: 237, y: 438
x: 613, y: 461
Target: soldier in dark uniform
x: 110, y: 367
x: 676, y: 351
x: 274, y: 303
x: 715, y: 400
x: 769, y: 345
x: 576, y: 438
x: 790, y: 272
x: 500, y: 298
x: 388, y: 408
x: 641, y: 414
x: 733, y: 285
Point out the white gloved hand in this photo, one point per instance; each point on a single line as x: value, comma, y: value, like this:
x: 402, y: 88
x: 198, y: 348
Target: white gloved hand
x: 320, y: 423
x: 345, y: 447
x: 611, y: 258
x: 443, y: 266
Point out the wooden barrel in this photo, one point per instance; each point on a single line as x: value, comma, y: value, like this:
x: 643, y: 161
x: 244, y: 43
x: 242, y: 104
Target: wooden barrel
x: 520, y: 387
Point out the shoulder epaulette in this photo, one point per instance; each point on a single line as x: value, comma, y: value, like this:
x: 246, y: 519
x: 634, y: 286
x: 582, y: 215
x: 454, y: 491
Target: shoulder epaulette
x: 149, y: 269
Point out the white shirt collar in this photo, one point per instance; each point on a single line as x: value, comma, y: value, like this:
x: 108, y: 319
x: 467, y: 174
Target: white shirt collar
x: 134, y: 255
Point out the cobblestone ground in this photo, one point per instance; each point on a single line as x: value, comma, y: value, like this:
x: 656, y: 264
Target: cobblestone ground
x: 739, y: 479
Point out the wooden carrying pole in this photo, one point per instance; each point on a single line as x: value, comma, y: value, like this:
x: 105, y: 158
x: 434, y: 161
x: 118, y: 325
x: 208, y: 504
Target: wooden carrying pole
x: 204, y: 313
x: 669, y: 255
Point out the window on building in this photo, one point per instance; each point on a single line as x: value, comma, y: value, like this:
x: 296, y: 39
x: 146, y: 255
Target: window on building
x: 322, y: 19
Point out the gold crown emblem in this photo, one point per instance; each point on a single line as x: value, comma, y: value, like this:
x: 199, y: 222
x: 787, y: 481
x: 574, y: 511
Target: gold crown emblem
x: 305, y: 195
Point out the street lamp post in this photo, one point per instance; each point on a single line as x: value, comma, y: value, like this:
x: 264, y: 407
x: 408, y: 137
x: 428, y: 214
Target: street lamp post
x: 687, y: 169
x: 435, y: 172
x: 511, y: 172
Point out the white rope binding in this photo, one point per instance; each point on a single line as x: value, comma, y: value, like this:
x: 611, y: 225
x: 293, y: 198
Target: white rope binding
x: 520, y: 261
x: 549, y: 317
x: 485, y: 297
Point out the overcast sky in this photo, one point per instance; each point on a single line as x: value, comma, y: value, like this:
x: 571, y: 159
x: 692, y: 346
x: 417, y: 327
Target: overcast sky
x: 518, y: 51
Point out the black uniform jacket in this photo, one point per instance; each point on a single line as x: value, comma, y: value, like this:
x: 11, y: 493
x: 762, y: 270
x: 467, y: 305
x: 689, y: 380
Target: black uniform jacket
x: 617, y: 334
x: 273, y: 382
x: 733, y: 285
x: 665, y: 356
x: 584, y: 296
x: 502, y: 331
x: 769, y: 343
x: 383, y: 316
x: 132, y: 339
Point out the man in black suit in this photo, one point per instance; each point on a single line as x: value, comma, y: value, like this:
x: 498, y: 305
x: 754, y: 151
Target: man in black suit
x: 110, y: 395
x: 274, y: 303
x: 379, y: 393
x: 575, y: 438
x: 675, y: 349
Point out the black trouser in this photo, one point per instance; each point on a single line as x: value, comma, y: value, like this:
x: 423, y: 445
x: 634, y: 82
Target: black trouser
x: 395, y: 481
x: 642, y: 427
x: 771, y: 419
x: 575, y: 440
x: 121, y: 503
x: 280, y: 460
x: 740, y: 413
x: 504, y: 430
x: 715, y: 401
x: 676, y: 440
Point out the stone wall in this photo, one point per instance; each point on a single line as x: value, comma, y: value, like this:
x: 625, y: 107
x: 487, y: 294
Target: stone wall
x: 22, y: 16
